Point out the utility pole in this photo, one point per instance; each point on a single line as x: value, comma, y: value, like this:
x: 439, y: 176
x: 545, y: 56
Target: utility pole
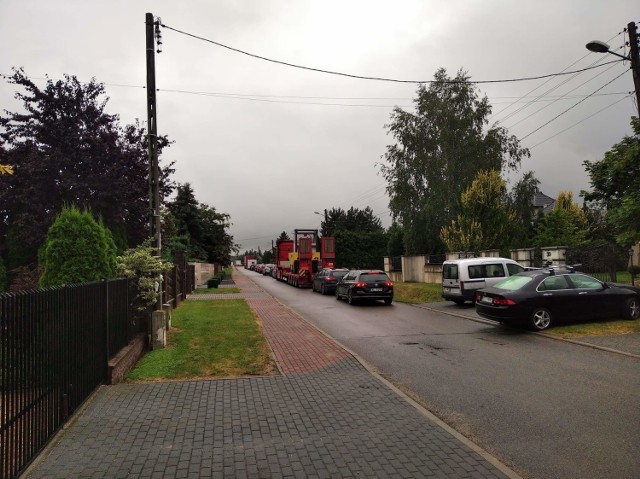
x: 635, y: 60
x: 154, y: 186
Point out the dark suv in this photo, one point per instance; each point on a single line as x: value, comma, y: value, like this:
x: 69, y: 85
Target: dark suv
x: 325, y: 281
x: 365, y: 284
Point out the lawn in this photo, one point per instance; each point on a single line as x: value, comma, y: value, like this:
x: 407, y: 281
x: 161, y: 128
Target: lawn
x: 230, y: 290
x: 601, y: 328
x: 417, y: 293
x: 209, y: 339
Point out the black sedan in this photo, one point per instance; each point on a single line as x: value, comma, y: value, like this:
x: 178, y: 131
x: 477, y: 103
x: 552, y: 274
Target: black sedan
x: 325, y: 281
x: 357, y: 285
x: 543, y: 298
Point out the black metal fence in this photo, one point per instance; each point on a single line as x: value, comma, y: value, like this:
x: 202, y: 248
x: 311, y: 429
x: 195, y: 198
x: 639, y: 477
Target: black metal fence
x: 602, y: 261
x: 55, y: 345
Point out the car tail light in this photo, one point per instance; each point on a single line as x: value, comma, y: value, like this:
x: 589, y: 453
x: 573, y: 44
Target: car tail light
x: 478, y: 297
x: 360, y: 284
x: 330, y: 278
x: 503, y: 302
x: 389, y: 284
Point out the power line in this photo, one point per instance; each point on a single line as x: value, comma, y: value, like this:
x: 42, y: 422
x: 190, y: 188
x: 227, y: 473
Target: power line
x: 571, y: 107
x: 544, y: 83
x: 584, y: 119
x: 558, y: 99
x: 361, y: 77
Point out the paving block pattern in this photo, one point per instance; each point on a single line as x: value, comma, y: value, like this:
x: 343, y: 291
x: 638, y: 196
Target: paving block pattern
x: 326, y: 417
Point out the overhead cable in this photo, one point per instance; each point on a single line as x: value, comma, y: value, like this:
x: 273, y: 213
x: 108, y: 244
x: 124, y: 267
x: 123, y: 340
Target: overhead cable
x: 360, y: 77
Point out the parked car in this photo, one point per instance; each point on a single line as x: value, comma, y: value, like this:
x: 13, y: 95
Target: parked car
x: 462, y: 277
x: 543, y: 298
x: 267, y: 269
x: 357, y: 285
x: 325, y: 281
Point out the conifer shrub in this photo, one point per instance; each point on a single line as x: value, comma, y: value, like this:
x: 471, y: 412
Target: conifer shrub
x: 77, y: 249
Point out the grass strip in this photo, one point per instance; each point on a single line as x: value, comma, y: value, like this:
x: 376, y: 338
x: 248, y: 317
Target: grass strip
x: 231, y: 290
x: 209, y: 339
x: 417, y: 293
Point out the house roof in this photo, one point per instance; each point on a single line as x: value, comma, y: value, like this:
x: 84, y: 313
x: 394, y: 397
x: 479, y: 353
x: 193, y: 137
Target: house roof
x: 543, y: 202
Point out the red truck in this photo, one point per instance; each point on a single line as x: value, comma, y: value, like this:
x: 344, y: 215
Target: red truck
x: 249, y: 260
x: 305, y: 256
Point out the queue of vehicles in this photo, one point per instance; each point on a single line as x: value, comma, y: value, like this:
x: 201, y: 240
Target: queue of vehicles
x: 500, y: 289
x: 308, y: 261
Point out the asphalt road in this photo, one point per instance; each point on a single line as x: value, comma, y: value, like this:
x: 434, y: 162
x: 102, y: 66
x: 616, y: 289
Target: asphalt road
x: 546, y: 408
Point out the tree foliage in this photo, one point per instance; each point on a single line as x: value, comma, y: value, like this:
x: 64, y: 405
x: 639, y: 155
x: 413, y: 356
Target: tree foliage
x: 566, y: 225
x: 353, y: 219
x: 615, y: 183
x: 485, y: 221
x: 438, y: 151
x: 199, y: 229
x: 78, y: 249
x: 360, y: 249
x: 66, y: 149
x: 142, y: 263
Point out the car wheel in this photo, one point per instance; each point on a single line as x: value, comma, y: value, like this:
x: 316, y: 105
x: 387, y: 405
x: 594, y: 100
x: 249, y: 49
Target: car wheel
x: 631, y: 308
x: 387, y: 301
x: 322, y: 290
x: 540, y: 319
x: 350, y: 298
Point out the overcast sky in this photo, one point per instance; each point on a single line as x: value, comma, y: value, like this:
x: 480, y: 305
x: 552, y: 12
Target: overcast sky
x: 271, y: 144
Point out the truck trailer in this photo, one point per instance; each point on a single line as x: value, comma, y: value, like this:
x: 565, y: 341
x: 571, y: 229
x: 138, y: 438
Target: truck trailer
x: 309, y: 255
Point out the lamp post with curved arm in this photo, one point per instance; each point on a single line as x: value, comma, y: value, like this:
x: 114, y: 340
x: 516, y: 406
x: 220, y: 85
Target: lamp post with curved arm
x: 634, y: 57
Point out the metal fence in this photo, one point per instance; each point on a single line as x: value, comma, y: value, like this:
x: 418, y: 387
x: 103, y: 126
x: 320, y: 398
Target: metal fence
x: 55, y: 345
x: 602, y: 261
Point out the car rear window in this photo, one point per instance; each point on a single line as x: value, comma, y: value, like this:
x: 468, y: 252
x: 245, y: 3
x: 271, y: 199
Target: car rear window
x: 373, y: 277
x: 339, y: 274
x: 450, y: 271
x: 513, y: 283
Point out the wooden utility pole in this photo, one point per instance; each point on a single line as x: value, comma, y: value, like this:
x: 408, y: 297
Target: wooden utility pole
x: 154, y: 174
x: 635, y: 60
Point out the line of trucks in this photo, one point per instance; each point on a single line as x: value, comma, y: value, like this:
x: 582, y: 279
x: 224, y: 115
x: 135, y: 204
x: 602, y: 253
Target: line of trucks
x: 298, y: 260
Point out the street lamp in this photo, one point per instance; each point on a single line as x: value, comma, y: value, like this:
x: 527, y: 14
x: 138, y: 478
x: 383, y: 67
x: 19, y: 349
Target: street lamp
x: 598, y: 46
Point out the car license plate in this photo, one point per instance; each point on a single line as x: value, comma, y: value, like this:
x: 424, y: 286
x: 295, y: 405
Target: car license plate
x: 376, y: 289
x: 486, y: 299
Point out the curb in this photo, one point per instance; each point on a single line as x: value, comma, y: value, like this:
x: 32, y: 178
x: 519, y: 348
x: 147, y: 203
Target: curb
x: 503, y: 468
x: 544, y: 335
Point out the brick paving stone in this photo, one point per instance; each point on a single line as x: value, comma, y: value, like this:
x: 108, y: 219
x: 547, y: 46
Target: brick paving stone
x: 325, y: 416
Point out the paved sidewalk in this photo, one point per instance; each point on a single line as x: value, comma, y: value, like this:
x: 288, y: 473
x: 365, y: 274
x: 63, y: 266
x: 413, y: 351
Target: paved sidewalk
x: 325, y: 415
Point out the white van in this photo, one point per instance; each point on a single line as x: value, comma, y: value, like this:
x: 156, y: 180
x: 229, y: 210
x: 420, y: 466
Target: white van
x: 462, y: 277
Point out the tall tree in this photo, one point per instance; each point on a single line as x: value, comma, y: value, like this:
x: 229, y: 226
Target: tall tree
x: 200, y: 229
x: 615, y: 183
x: 66, y: 149
x: 485, y: 221
x: 354, y: 219
x: 566, y: 225
x: 438, y: 151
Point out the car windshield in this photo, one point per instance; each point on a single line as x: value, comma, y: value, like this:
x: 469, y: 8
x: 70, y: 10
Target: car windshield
x: 513, y: 283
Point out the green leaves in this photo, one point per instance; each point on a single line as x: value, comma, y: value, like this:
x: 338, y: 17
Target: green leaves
x: 78, y: 249
x: 438, y: 151
x: 616, y: 187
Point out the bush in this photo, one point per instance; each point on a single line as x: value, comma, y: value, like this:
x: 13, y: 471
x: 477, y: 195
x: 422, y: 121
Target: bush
x: 141, y: 263
x: 77, y: 250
